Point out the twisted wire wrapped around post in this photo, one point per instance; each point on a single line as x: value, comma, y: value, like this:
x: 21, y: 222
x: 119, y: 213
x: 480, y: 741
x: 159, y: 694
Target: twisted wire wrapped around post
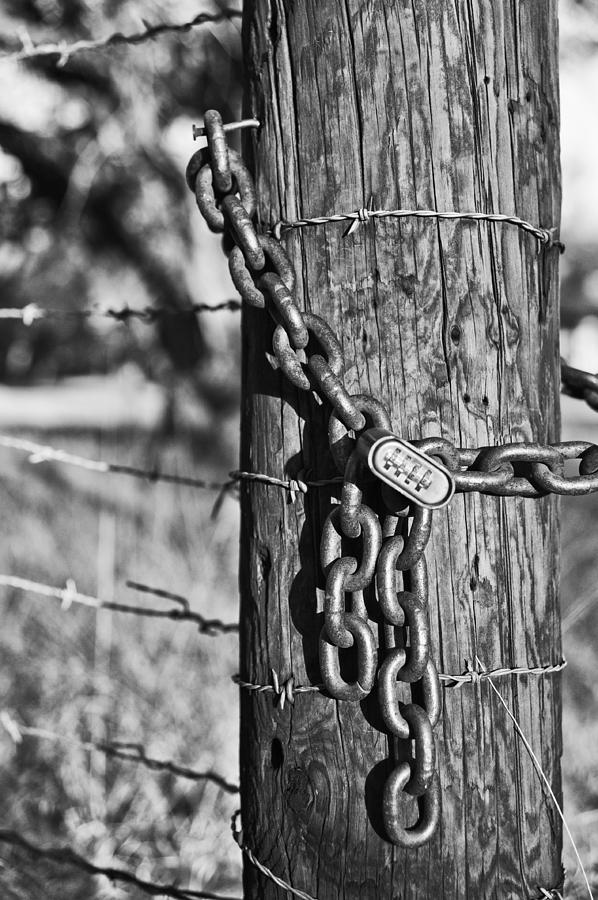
x: 545, y: 236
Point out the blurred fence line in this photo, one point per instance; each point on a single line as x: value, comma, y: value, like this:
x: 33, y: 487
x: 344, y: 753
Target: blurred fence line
x: 128, y: 751
x: 67, y: 856
x: 63, y: 50
x: 69, y: 595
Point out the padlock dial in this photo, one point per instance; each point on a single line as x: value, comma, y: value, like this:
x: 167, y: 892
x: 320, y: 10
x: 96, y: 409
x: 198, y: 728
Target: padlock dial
x: 406, y: 469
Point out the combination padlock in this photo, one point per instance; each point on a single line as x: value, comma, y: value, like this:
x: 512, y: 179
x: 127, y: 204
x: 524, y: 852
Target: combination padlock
x: 406, y: 469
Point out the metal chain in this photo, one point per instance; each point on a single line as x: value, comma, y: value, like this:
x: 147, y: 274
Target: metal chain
x: 523, y: 469
x: 407, y: 609
x: 342, y: 628
x: 353, y: 554
x: 579, y: 384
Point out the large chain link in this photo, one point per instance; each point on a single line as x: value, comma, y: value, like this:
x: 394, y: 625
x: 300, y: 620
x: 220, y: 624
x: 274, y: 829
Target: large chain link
x: 362, y: 550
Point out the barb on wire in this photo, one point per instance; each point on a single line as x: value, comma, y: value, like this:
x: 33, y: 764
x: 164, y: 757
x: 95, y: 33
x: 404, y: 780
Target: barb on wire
x: 149, y: 314
x: 284, y: 690
x: 69, y: 595
x: 541, y: 774
x: 124, y: 750
x: 64, y: 51
x: 68, y: 857
x: 553, y: 894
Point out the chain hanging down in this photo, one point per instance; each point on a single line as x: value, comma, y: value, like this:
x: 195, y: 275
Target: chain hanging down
x: 309, y: 354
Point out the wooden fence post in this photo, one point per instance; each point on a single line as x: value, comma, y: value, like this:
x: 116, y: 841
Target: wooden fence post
x: 454, y: 325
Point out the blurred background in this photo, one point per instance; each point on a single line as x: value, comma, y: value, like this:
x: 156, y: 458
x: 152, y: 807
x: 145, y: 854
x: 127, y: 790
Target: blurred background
x: 95, y: 214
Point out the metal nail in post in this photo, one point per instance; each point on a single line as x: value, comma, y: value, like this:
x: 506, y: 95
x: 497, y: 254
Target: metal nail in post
x: 200, y: 130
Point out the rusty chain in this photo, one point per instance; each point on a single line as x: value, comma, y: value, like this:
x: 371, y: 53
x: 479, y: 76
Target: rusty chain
x: 362, y: 550
x: 522, y: 469
x: 402, y: 557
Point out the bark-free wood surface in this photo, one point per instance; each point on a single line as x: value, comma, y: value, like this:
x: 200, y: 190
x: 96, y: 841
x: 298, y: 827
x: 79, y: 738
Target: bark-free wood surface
x: 449, y: 105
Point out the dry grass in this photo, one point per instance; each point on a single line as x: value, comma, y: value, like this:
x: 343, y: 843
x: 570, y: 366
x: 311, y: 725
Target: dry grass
x: 119, y: 677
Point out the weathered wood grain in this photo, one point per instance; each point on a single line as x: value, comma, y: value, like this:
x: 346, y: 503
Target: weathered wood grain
x: 449, y: 105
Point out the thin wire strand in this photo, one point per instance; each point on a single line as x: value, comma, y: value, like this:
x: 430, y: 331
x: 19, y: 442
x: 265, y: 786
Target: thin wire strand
x: 360, y: 217
x: 129, y: 751
x: 67, y: 856
x: 294, y: 485
x: 69, y: 595
x: 64, y: 50
x: 474, y: 677
x: 553, y: 894
x: 32, y: 313
x: 541, y: 774
x: 206, y: 626
x: 285, y: 690
x: 579, y: 609
x: 238, y: 838
x: 39, y: 453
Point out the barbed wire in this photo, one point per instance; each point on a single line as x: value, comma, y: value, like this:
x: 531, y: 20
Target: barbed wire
x: 128, y: 751
x: 205, y: 626
x: 64, y: 50
x: 32, y: 313
x: 39, y: 453
x: 475, y: 676
x: 546, y: 236
x: 286, y: 689
x: 67, y: 856
x: 468, y: 475
x: 69, y: 595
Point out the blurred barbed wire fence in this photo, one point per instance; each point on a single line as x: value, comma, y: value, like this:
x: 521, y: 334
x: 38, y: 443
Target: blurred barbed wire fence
x: 33, y: 313
x: 69, y: 595
x: 64, y: 51
x: 128, y: 751
x: 66, y: 856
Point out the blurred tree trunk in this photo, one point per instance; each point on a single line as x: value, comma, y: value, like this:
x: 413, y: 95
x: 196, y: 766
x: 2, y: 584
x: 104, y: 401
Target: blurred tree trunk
x: 455, y: 327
